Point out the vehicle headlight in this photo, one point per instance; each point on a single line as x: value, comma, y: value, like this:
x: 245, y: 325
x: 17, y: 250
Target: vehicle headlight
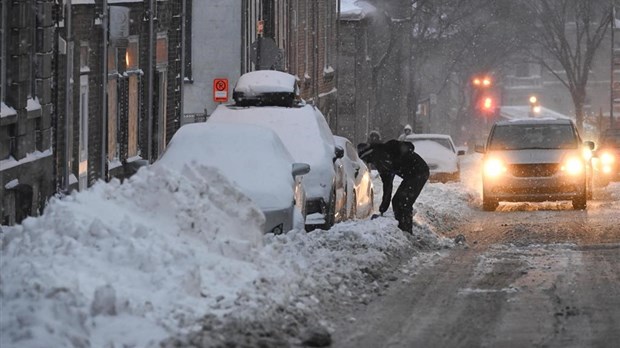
x: 573, y: 166
x: 607, y: 158
x: 494, y: 167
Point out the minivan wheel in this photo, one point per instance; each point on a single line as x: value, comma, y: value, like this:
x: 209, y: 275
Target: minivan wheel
x: 489, y: 204
x: 580, y: 202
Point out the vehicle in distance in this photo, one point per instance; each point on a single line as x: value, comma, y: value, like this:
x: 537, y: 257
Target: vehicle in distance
x: 440, y: 154
x: 535, y: 160
x: 256, y: 162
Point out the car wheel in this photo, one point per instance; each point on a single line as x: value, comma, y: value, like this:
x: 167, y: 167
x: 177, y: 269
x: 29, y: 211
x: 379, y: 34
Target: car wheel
x: 330, y: 216
x: 580, y: 202
x: 488, y: 204
x: 353, y: 212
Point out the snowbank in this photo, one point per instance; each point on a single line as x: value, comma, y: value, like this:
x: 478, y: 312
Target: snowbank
x: 165, y: 256
x: 127, y: 263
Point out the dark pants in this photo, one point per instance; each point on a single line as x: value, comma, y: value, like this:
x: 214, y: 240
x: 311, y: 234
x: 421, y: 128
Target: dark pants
x: 405, y: 196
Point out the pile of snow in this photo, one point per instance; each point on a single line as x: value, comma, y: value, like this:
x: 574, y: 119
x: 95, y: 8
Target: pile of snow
x: 128, y: 263
x: 179, y: 258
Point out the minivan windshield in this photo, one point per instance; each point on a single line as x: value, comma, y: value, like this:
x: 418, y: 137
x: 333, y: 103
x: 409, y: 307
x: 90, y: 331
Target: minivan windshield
x: 539, y: 136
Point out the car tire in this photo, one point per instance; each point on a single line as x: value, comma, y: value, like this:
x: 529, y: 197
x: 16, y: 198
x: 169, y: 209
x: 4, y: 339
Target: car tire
x: 489, y: 204
x: 353, y: 212
x: 330, y: 217
x: 580, y: 202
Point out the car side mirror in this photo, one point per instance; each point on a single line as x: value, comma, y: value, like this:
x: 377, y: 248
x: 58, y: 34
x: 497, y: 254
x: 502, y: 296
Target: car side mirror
x: 460, y: 153
x: 300, y: 169
x: 589, y: 144
x: 339, y: 152
x: 480, y: 149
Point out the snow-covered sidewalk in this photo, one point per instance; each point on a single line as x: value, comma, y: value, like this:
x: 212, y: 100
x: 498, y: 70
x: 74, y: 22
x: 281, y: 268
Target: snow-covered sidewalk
x: 180, y: 258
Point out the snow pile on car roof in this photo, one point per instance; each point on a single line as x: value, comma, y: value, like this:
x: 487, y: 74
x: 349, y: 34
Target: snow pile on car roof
x: 265, y: 81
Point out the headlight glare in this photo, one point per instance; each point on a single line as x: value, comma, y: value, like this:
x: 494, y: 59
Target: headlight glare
x: 573, y: 166
x: 494, y: 167
x: 607, y: 158
x: 587, y: 153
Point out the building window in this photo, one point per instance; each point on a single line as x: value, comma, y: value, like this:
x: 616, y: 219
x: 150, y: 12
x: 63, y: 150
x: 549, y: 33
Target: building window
x: 112, y: 118
x: 161, y: 59
x: 83, y: 133
x: 161, y: 111
x: 84, y: 51
x: 161, y: 51
x: 131, y: 60
x: 113, y: 150
x: 131, y: 54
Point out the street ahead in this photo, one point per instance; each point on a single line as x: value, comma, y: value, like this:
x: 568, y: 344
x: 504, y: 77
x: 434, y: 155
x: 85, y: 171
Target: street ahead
x: 528, y: 275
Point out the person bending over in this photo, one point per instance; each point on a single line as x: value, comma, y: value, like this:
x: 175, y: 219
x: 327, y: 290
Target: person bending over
x: 397, y: 158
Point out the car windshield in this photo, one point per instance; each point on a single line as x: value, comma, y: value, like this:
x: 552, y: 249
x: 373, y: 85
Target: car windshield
x: 544, y: 136
x: 441, y: 141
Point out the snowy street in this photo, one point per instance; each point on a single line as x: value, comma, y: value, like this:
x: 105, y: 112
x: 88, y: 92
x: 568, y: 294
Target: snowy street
x: 160, y: 259
x: 530, y: 275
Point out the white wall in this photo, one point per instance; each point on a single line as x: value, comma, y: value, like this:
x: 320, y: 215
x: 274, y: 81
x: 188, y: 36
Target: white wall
x: 216, y: 51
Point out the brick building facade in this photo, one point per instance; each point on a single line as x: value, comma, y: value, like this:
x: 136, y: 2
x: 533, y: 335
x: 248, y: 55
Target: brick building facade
x: 26, y: 154
x: 97, y: 94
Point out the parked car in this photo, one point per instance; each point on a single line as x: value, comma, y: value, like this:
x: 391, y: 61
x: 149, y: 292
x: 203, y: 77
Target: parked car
x: 359, y: 187
x: 440, y: 154
x: 607, y: 158
x: 270, y: 99
x: 254, y: 159
x: 535, y: 160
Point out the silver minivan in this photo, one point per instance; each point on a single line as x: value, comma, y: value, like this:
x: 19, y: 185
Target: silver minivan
x: 535, y: 160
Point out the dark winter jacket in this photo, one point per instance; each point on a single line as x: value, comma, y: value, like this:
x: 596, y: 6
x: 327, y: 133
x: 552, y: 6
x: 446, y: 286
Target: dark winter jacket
x: 393, y: 158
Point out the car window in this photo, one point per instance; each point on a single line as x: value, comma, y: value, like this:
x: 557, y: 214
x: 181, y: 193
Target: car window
x: 544, y: 136
x: 441, y: 141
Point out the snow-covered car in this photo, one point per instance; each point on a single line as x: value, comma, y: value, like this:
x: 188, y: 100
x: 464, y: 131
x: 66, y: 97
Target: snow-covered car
x: 606, y: 161
x: 254, y: 159
x: 303, y: 130
x: 535, y: 160
x: 359, y: 187
x: 440, y: 154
